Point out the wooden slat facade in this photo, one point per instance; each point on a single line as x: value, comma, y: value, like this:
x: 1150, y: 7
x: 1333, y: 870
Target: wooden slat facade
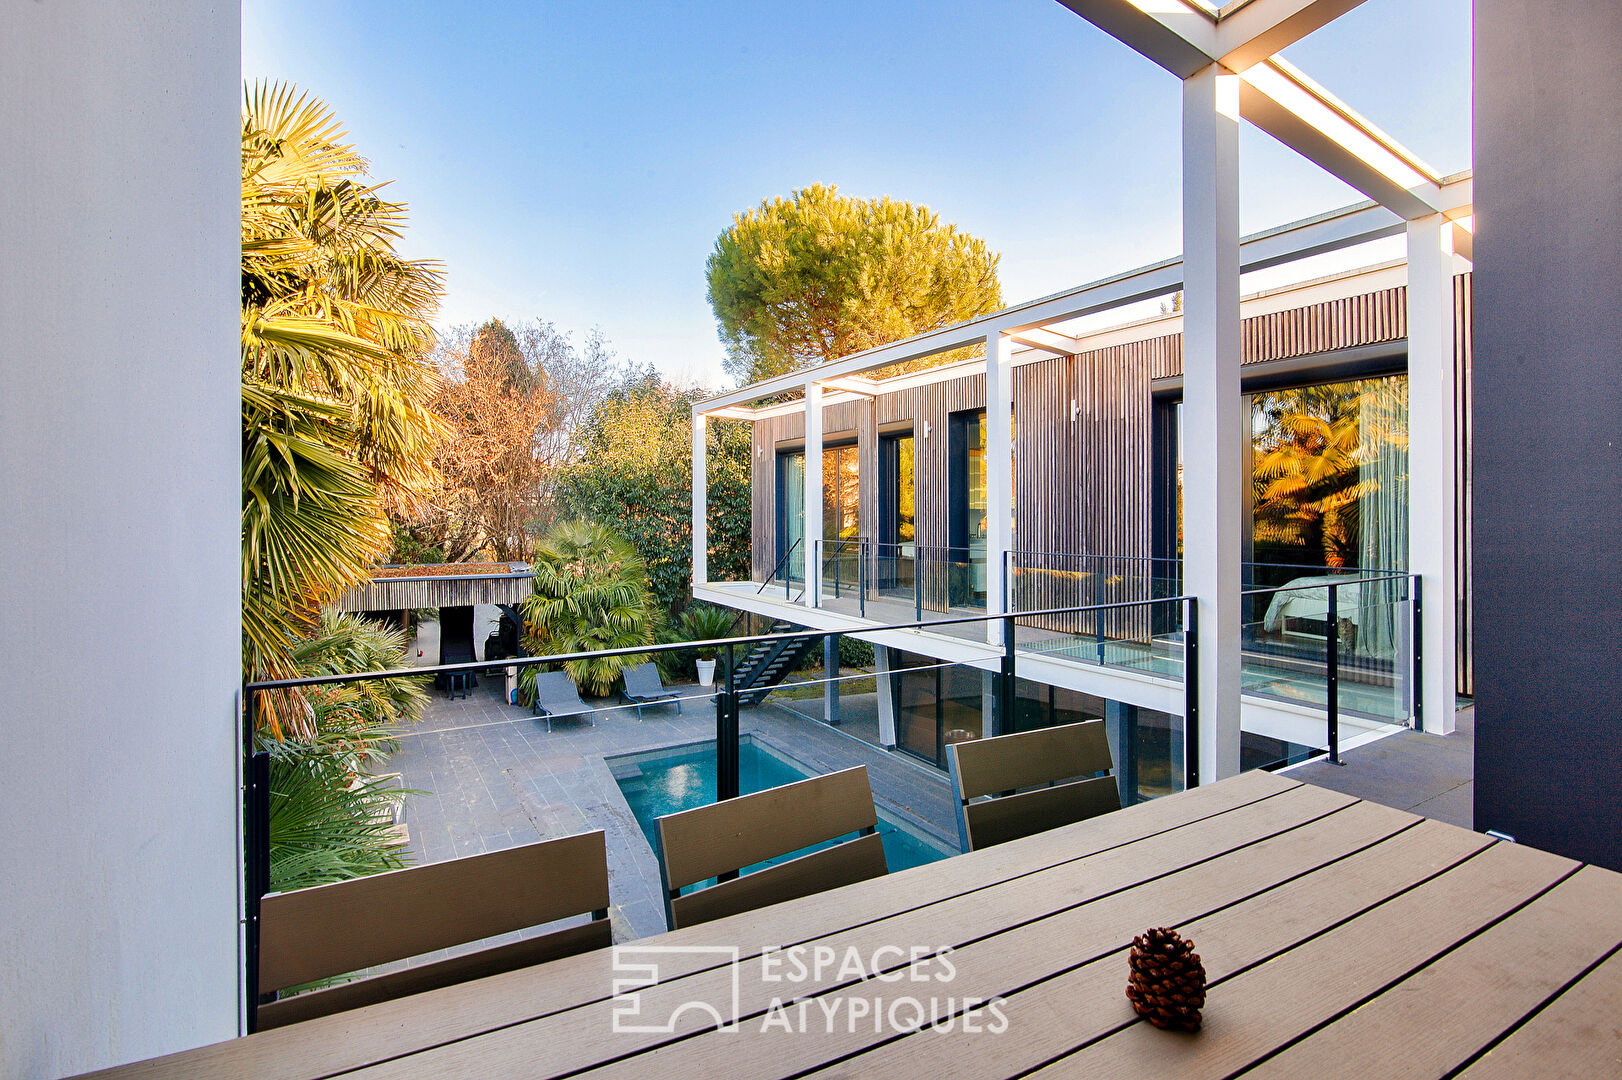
x: 398, y: 594
x: 1086, y: 487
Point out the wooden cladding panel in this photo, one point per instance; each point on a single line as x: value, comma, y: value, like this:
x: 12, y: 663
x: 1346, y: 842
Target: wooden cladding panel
x: 397, y: 594
x: 861, y: 420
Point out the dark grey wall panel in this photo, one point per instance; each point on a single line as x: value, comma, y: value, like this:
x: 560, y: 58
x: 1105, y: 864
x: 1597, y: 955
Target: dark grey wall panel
x: 1547, y: 425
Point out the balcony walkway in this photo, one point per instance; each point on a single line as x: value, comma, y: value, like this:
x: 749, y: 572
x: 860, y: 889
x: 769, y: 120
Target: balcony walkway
x: 1429, y: 775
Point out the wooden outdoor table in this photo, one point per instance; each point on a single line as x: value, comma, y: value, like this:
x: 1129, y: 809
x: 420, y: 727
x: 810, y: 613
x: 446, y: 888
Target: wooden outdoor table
x: 1341, y: 938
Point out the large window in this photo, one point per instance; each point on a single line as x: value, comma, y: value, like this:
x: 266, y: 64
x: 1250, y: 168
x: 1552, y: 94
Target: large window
x: 841, y: 502
x: 1328, y: 467
x: 965, y: 560
x: 1329, y: 475
x: 897, y: 509
x: 1327, y: 498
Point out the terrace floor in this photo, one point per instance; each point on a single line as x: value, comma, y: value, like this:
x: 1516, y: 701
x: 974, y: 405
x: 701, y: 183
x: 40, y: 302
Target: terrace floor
x: 1429, y: 775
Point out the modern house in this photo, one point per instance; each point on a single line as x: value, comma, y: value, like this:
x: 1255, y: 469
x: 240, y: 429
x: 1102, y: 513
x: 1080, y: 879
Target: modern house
x: 1090, y: 476
x: 123, y: 911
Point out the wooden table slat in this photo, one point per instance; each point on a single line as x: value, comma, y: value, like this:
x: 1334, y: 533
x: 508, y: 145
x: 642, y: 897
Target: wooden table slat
x: 1051, y: 1018
x: 1542, y: 947
x: 1578, y: 1036
x: 575, y: 1040
x: 1263, y: 1008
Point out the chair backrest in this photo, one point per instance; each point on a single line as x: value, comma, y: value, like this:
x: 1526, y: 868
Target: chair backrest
x: 643, y: 680
x: 725, y: 837
x: 329, y: 930
x: 1005, y: 764
x: 556, y: 688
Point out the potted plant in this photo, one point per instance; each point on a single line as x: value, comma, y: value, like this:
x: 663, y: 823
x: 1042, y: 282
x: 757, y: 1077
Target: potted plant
x: 701, y: 622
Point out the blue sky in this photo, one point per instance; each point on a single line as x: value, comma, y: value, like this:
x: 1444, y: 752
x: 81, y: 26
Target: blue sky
x: 575, y: 162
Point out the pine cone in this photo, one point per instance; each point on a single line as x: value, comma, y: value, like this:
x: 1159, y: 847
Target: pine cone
x: 1168, y: 980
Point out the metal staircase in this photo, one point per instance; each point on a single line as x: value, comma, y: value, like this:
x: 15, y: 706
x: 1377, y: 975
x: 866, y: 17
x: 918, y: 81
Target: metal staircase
x: 768, y: 662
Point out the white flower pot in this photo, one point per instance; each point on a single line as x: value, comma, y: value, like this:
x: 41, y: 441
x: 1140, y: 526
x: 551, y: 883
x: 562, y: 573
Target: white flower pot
x: 706, y: 672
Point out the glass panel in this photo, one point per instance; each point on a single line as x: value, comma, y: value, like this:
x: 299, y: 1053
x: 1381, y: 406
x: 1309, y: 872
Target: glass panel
x: 905, y: 512
x: 938, y: 703
x: 1376, y: 647
x: 1146, y: 746
x: 1144, y: 636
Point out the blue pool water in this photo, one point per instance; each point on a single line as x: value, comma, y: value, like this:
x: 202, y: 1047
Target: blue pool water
x: 668, y: 781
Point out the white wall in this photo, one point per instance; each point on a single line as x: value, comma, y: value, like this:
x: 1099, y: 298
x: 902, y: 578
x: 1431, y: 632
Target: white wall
x: 119, y: 472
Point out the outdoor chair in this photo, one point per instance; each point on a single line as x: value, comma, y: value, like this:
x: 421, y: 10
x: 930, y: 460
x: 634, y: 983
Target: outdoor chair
x: 644, y: 687
x: 330, y: 930
x: 1037, y: 760
x: 718, y: 840
x: 556, y: 698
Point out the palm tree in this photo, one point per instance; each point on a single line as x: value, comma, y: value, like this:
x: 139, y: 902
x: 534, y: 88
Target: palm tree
x: 336, y: 425
x: 590, y: 593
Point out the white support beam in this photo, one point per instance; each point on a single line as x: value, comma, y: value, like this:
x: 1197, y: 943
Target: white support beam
x: 701, y: 541
x: 999, y: 473
x: 1432, y: 487
x: 1282, y: 101
x: 1047, y: 341
x: 1261, y: 28
x: 1213, y: 427
x: 1163, y: 34
x: 852, y: 384
x: 813, y: 492
x: 1183, y: 37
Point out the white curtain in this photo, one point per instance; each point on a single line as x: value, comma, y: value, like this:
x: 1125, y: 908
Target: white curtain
x: 1383, y: 511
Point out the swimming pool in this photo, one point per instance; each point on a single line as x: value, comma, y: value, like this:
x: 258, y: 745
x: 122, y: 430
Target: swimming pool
x: 665, y: 781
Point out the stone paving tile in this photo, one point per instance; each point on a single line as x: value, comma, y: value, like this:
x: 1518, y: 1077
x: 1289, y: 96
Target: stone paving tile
x: 493, y: 777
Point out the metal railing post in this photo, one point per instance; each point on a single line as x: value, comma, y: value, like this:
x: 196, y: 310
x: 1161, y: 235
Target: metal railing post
x: 1332, y: 673
x: 839, y: 564
x: 1003, y: 722
x: 1191, y: 695
x: 726, y: 730
x: 917, y: 593
x: 1418, y: 631
x: 255, y: 857
x: 861, y: 580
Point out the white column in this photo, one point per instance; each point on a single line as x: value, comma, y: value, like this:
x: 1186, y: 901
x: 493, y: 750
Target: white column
x: 701, y: 492
x: 1213, y: 421
x: 813, y: 491
x: 1432, y: 524
x: 881, y: 671
x: 999, y: 473
x: 120, y: 461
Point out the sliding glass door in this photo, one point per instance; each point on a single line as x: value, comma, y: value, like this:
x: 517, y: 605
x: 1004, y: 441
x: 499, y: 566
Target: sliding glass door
x: 841, y: 507
x: 895, y: 558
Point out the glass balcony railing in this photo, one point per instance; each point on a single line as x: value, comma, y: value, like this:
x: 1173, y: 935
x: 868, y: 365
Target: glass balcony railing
x: 748, y: 730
